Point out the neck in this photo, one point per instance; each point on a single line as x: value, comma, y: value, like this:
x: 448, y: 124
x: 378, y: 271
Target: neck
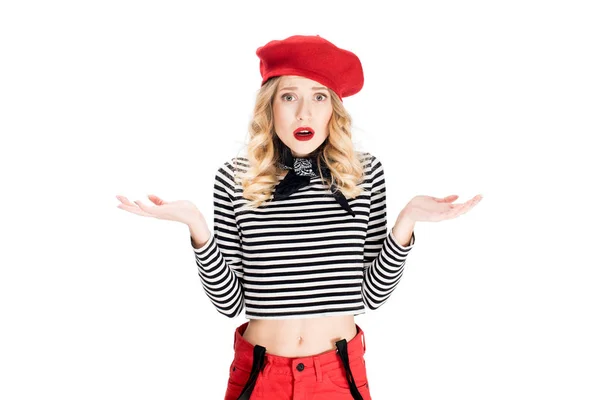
x: 296, y: 155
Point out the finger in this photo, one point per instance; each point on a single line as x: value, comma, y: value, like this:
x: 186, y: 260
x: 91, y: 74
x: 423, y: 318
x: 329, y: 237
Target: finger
x: 473, y: 202
x: 144, y: 207
x: 134, y: 209
x: 124, y: 200
x: 462, y: 210
x: 156, y: 200
x: 447, y: 199
x: 469, y: 203
x: 467, y: 206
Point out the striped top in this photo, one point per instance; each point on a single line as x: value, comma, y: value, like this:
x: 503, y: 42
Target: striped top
x: 303, y: 256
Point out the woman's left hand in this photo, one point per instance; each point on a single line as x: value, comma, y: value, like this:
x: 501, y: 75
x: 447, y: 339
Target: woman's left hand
x: 433, y: 209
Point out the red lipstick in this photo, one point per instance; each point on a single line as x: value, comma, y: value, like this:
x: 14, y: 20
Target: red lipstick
x: 304, y: 133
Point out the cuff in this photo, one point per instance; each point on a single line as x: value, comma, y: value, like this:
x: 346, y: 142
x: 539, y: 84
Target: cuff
x: 392, y: 238
x: 204, y: 249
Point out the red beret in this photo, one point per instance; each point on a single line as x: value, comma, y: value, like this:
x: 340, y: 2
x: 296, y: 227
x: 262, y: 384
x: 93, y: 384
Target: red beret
x: 314, y: 58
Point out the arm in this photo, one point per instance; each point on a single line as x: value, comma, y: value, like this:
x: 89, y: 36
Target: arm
x: 199, y: 234
x: 384, y: 254
x: 219, y: 257
x: 403, y: 229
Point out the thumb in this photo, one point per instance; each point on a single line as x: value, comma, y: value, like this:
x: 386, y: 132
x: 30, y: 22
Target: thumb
x: 157, y: 200
x: 447, y: 199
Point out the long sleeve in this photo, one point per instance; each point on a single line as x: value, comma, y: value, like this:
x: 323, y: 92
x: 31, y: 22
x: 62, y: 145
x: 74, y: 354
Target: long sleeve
x: 384, y: 257
x: 219, y: 260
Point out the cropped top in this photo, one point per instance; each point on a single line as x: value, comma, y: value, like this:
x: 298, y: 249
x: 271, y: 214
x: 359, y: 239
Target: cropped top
x: 303, y: 256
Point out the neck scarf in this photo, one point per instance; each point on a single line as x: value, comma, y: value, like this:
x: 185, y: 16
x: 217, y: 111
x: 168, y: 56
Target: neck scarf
x: 302, y: 170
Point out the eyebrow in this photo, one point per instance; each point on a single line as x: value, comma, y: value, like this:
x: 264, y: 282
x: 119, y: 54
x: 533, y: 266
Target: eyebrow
x: 296, y: 88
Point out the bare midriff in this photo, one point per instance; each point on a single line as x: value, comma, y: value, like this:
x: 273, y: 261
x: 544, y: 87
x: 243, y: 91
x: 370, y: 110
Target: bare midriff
x: 300, y: 337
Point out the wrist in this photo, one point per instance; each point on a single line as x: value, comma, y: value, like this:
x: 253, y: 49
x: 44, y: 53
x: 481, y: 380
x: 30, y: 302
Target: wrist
x: 404, y: 228
x: 404, y: 217
x: 199, y: 233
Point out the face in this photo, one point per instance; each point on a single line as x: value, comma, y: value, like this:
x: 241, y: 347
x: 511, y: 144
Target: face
x: 301, y: 104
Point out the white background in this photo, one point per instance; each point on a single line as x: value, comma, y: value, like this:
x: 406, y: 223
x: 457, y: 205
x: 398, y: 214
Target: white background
x: 140, y: 97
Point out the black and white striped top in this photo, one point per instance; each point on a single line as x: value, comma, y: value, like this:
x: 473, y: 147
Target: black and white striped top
x: 303, y: 256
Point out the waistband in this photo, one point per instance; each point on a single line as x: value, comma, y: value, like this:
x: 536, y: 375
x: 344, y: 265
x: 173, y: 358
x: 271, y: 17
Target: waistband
x: 244, y: 353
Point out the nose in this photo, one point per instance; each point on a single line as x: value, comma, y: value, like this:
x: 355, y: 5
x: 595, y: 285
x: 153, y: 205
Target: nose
x: 304, y: 110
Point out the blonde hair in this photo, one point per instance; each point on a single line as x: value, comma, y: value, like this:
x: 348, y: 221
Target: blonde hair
x: 264, y: 150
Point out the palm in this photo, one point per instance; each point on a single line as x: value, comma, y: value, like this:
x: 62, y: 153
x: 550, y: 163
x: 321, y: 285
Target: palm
x: 433, y: 209
x: 179, y: 210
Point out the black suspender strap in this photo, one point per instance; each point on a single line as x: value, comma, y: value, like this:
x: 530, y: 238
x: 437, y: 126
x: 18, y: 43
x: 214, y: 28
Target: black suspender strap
x: 258, y: 363
x: 342, y: 349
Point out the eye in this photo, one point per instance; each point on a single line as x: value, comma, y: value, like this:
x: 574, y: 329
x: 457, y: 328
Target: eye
x: 287, y: 97
x: 323, y: 96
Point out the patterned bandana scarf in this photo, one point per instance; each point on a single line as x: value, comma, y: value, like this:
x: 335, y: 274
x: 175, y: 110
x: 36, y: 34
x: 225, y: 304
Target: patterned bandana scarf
x: 302, y: 170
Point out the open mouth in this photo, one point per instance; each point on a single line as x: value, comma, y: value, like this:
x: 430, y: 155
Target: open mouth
x: 304, y: 133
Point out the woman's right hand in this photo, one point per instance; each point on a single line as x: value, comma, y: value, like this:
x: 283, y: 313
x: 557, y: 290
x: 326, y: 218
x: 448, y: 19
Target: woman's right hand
x: 183, y: 211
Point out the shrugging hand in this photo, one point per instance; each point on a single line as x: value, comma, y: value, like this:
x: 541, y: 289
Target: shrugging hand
x: 183, y: 211
x: 433, y: 209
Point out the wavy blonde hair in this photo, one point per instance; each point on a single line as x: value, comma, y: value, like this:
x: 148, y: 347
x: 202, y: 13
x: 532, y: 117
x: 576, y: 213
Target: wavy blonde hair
x: 264, y: 150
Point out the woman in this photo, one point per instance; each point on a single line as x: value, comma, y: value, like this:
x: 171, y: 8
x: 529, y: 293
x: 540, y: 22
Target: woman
x: 300, y: 231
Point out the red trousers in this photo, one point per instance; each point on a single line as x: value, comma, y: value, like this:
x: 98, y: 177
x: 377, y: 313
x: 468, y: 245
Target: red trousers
x: 319, y: 377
